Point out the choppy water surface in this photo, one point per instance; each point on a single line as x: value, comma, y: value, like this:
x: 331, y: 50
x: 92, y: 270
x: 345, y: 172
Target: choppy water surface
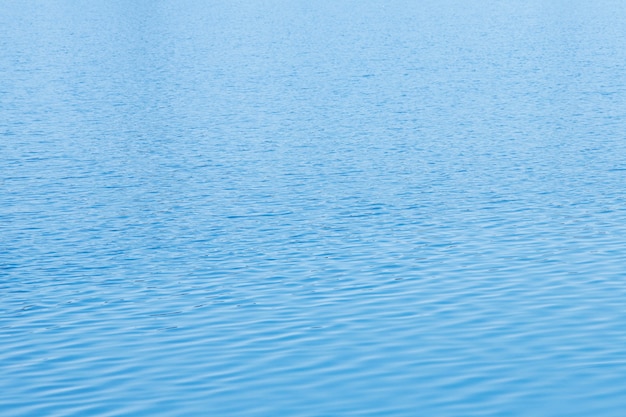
x: 264, y: 208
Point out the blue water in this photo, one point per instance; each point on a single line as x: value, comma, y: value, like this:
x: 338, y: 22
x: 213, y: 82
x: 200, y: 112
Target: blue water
x: 296, y: 208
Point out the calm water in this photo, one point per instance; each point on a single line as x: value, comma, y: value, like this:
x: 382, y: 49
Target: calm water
x: 328, y: 208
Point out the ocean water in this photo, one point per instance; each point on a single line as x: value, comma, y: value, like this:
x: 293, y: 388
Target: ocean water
x: 312, y: 208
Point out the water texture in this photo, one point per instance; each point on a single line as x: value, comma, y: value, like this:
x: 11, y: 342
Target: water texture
x: 312, y: 208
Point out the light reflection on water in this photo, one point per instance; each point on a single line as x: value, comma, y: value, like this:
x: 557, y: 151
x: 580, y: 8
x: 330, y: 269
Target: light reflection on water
x: 280, y: 208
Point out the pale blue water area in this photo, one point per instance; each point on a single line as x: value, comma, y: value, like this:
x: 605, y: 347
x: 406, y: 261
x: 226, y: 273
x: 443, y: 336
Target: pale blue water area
x: 312, y: 208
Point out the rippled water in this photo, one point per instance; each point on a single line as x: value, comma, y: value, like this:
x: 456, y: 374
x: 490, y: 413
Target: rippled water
x: 329, y: 208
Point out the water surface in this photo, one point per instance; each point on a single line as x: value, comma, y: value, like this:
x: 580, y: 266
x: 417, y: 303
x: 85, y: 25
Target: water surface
x: 262, y: 208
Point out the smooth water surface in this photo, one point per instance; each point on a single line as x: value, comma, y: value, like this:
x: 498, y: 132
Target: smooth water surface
x: 313, y: 208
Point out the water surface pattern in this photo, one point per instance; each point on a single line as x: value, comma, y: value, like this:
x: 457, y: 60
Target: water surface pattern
x: 312, y: 208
